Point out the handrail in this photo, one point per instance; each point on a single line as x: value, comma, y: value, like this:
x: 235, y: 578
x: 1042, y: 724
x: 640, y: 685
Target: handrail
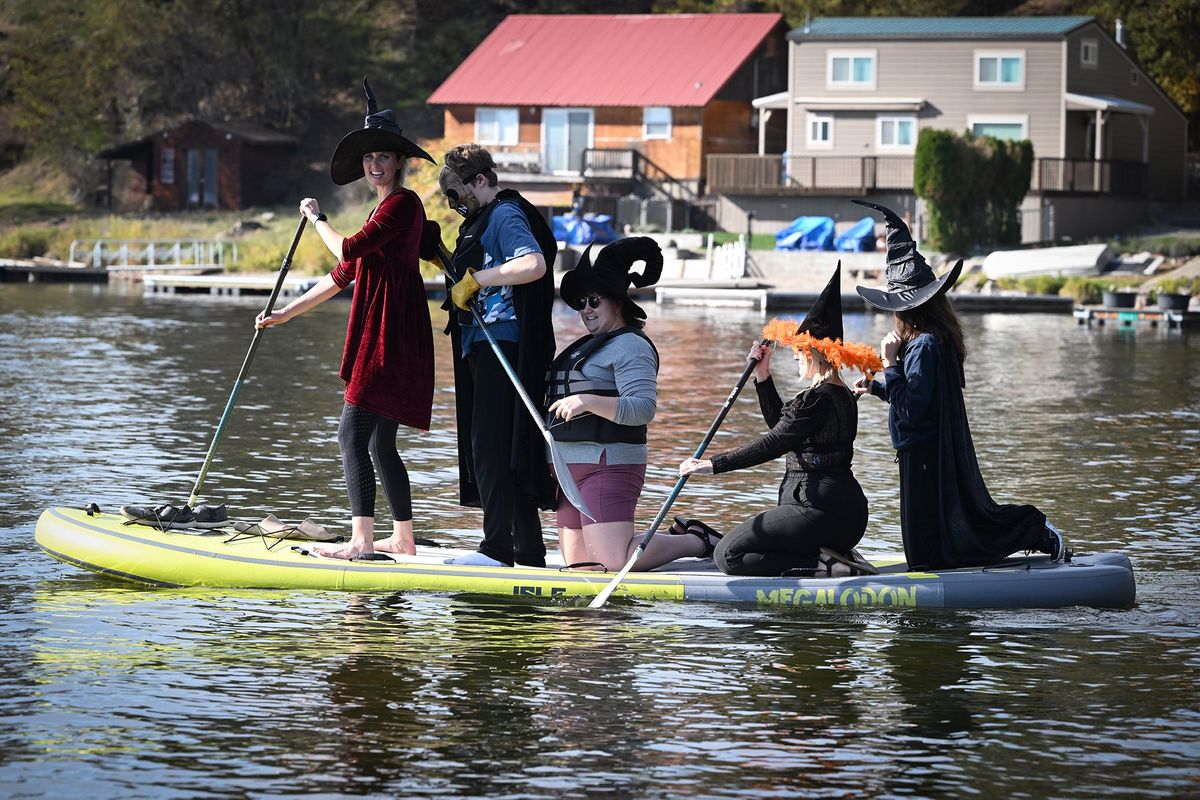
x: 153, y: 254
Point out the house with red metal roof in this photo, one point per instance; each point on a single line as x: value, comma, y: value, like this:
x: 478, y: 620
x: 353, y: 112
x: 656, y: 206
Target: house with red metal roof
x: 610, y: 104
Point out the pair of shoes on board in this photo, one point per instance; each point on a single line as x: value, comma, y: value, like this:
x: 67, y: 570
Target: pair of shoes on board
x: 273, y: 527
x: 707, y: 536
x: 833, y: 564
x: 166, y: 516
x: 476, y: 559
x: 1054, y: 544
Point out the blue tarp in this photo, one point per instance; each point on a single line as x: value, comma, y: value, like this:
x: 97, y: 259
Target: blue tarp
x: 806, y: 233
x: 589, y: 228
x: 858, y: 238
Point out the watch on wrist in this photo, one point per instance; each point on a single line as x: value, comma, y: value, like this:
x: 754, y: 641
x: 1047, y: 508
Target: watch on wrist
x: 320, y: 217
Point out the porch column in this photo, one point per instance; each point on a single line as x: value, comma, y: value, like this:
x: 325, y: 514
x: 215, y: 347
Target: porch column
x: 1145, y: 139
x: 764, y: 116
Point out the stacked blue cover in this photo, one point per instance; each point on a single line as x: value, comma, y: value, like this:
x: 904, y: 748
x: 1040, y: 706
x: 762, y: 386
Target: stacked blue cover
x: 858, y: 238
x: 806, y: 233
x: 585, y: 229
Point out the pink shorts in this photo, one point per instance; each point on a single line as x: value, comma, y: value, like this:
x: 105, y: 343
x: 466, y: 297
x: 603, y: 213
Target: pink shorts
x: 610, y: 491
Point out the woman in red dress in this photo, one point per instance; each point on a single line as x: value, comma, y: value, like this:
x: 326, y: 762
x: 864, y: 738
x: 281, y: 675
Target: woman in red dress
x: 387, y: 362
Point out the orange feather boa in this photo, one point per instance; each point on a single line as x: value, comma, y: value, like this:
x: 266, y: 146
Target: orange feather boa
x: 842, y: 355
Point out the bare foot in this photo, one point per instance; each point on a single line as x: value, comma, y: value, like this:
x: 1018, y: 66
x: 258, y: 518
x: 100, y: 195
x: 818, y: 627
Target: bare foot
x: 399, y: 545
x: 346, y: 551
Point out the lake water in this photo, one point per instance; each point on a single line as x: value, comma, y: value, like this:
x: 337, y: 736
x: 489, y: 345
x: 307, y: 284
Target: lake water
x: 112, y: 690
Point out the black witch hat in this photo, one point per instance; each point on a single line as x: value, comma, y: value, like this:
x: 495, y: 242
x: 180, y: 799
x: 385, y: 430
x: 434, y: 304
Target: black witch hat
x: 911, y: 282
x: 824, y: 319
x: 380, y: 132
x: 610, y: 276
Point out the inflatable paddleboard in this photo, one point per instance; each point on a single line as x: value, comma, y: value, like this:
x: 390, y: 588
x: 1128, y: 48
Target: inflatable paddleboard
x: 111, y: 545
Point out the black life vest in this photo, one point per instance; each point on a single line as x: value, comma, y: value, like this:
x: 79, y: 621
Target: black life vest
x: 566, y: 378
x: 468, y: 249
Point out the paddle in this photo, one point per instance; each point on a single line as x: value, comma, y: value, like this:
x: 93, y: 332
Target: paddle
x: 600, y: 599
x: 237, y: 384
x: 563, y: 473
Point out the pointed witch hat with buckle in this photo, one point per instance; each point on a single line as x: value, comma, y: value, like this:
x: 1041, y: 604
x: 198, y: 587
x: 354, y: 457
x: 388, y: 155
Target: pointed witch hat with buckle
x: 380, y: 132
x: 911, y: 282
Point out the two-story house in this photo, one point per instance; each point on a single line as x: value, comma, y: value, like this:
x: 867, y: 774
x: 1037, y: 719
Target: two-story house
x: 1107, y: 140
x: 612, y: 104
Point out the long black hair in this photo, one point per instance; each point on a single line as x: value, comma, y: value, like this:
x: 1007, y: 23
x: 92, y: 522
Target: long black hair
x: 936, y: 317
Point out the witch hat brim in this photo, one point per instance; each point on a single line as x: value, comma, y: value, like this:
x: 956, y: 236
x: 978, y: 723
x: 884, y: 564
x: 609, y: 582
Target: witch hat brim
x: 610, y: 274
x: 346, y: 165
x: 908, y: 299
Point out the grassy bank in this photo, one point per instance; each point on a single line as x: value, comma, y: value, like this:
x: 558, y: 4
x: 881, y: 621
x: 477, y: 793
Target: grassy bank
x: 40, y: 216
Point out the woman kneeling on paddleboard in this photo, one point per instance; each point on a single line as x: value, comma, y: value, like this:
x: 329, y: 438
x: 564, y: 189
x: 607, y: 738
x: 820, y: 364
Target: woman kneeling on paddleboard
x: 603, y: 392
x: 821, y: 505
x: 387, y: 362
x: 947, y: 517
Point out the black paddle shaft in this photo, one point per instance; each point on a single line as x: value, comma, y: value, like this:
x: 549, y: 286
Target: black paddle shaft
x: 237, y: 384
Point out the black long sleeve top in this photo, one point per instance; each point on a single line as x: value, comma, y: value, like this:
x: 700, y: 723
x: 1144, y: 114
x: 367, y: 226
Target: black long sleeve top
x: 816, y: 431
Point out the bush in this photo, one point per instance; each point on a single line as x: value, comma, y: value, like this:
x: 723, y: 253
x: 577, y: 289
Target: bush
x: 1084, y: 291
x: 1170, y: 245
x: 25, y: 243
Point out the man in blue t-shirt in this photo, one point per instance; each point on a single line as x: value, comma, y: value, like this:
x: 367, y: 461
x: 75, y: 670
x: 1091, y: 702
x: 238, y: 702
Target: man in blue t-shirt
x: 505, y: 278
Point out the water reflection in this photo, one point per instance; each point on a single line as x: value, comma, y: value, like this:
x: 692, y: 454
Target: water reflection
x: 113, y: 397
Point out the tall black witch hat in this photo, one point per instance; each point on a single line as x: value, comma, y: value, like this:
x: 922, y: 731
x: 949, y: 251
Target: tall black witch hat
x: 380, y: 132
x: 610, y: 276
x: 911, y: 281
x: 821, y: 330
x: 824, y: 319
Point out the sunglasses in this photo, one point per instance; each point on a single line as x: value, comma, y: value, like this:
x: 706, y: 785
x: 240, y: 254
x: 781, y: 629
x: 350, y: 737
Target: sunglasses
x: 591, y: 301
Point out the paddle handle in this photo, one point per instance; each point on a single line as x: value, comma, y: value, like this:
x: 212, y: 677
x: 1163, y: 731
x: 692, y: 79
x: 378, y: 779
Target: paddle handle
x: 602, y: 597
x: 565, y: 481
x: 241, y: 377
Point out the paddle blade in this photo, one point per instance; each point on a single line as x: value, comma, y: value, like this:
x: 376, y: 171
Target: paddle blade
x: 565, y: 482
x: 602, y: 597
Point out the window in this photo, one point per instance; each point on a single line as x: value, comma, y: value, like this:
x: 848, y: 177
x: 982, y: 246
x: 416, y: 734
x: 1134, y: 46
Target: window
x: 999, y: 70
x: 896, y: 133
x: 1007, y: 127
x: 850, y: 69
x: 656, y: 122
x: 166, y: 169
x: 496, y: 126
x: 820, y: 132
x: 1089, y: 53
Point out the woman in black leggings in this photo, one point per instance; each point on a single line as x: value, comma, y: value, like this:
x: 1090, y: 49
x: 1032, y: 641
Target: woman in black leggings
x: 821, y: 504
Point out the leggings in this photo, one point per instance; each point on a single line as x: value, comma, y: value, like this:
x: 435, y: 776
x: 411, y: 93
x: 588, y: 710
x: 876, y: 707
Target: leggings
x: 364, y: 438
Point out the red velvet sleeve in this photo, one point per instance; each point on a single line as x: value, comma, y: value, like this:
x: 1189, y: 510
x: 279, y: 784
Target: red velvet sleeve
x: 394, y: 217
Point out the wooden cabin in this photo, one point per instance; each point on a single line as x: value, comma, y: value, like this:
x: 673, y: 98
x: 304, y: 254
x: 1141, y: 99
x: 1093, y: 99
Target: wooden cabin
x: 203, y: 165
x: 631, y: 102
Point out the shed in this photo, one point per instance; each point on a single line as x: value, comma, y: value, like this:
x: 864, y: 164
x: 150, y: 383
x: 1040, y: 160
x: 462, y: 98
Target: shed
x: 206, y: 165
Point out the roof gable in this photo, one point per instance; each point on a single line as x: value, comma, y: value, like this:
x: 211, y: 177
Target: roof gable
x: 938, y: 27
x: 606, y: 60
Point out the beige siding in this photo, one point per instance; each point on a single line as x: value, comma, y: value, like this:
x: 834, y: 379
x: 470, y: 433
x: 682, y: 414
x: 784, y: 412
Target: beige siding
x: 1113, y: 77
x: 942, y: 73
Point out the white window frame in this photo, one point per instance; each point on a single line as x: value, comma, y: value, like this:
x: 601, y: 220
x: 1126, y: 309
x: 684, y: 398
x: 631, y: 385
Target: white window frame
x: 500, y: 137
x: 869, y: 86
x: 647, y: 122
x: 999, y: 86
x: 818, y: 144
x: 1001, y: 119
x: 1089, y: 53
x: 895, y: 118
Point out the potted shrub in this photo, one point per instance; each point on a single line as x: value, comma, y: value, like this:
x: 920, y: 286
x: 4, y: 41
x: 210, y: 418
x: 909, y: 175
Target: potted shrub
x: 1084, y: 291
x: 1119, y: 297
x: 1174, y: 294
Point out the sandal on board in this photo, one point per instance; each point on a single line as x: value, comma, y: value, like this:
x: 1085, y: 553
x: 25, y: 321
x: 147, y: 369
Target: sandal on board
x: 705, y: 534
x: 837, y: 565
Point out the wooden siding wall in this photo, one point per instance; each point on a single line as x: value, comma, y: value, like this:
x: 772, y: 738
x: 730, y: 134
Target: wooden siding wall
x: 941, y: 73
x: 615, y: 127
x: 1112, y: 77
x: 168, y: 197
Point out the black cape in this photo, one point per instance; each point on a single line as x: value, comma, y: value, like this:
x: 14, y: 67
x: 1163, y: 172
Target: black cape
x: 532, y: 303
x: 977, y: 529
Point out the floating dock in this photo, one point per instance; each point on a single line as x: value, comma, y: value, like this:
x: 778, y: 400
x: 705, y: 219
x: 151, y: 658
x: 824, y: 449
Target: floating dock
x: 239, y: 285
x: 1128, y: 317
x: 45, y: 270
x: 766, y: 299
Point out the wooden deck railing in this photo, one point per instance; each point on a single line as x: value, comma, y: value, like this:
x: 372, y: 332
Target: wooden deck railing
x: 801, y: 175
